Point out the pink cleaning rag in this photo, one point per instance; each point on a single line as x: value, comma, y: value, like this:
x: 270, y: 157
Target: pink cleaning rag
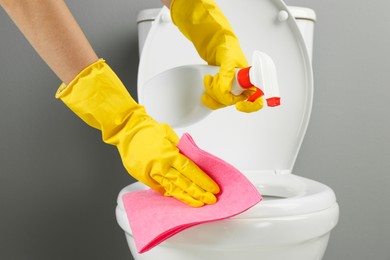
x: 154, y: 218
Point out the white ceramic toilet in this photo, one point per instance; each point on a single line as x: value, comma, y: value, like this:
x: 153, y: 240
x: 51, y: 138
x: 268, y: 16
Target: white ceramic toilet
x: 295, y: 219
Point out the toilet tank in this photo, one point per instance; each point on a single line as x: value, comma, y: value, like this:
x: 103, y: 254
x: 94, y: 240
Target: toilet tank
x: 145, y: 19
x: 305, y: 18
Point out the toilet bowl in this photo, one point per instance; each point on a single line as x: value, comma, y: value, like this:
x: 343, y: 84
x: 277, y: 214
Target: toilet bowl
x: 297, y: 214
x: 293, y: 221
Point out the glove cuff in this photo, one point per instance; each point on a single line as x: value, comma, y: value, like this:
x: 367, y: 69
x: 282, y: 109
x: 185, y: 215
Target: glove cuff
x: 64, y: 89
x: 100, y: 99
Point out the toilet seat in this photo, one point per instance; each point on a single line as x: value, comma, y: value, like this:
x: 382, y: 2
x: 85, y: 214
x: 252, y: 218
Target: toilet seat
x: 283, y: 195
x: 277, y: 133
x: 271, y: 159
x: 287, y: 195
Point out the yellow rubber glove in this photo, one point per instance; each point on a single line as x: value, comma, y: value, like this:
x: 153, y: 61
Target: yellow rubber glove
x: 204, y: 24
x: 147, y: 148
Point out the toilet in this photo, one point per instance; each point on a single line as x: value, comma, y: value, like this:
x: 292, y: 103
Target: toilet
x: 297, y: 214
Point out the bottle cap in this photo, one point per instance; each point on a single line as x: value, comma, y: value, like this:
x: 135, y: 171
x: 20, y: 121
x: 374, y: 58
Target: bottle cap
x: 243, y: 78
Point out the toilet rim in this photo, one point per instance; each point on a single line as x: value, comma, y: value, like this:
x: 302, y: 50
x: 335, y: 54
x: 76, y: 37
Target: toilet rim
x: 308, y: 211
x: 287, y: 194
x: 284, y: 195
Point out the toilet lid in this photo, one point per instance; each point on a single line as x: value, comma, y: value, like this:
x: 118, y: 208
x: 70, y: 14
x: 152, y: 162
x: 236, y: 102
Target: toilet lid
x: 267, y: 140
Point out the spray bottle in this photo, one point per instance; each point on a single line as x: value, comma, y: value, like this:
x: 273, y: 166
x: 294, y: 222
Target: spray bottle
x: 180, y: 89
x: 262, y: 75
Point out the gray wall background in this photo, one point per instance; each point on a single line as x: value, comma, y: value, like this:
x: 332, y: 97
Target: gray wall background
x: 59, y: 181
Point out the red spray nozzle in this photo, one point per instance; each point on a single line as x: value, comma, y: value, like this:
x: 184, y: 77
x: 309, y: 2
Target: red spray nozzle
x: 262, y: 74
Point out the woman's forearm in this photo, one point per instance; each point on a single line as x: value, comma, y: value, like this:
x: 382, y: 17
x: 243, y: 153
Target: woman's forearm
x: 54, y: 33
